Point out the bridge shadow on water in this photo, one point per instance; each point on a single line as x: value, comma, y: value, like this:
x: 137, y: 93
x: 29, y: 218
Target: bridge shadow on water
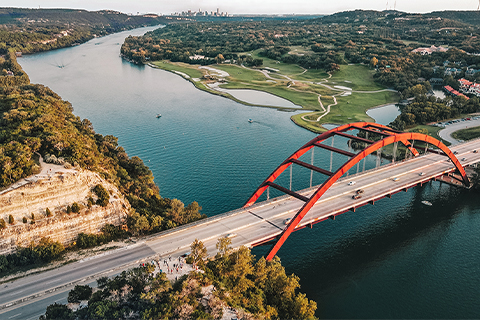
x: 390, y: 242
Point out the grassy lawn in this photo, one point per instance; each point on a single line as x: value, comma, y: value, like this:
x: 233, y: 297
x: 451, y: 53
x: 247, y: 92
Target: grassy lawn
x: 359, y: 78
x: 467, y: 134
x: 284, y: 68
x: 238, y: 73
x: 311, y: 75
x: 191, y: 70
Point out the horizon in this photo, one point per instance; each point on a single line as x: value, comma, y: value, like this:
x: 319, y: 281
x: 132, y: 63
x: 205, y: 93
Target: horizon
x: 246, y: 7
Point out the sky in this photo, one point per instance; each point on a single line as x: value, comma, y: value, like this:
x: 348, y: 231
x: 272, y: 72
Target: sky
x: 247, y: 6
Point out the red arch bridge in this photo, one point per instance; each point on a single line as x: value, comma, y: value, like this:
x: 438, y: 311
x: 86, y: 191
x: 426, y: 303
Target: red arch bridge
x: 415, y: 159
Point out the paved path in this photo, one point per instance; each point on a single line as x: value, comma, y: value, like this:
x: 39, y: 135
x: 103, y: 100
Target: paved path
x: 446, y: 134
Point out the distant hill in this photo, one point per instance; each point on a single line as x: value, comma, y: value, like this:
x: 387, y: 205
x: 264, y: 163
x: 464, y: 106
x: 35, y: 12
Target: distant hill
x: 459, y: 17
x: 74, y: 17
x: 470, y: 17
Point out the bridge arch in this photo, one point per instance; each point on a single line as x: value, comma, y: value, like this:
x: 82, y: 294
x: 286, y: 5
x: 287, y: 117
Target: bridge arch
x: 390, y: 136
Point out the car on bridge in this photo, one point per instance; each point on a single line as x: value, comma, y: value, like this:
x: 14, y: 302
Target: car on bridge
x: 396, y: 179
x: 287, y: 221
x: 351, y: 183
x: 359, y: 191
x: 356, y: 196
x: 421, y: 173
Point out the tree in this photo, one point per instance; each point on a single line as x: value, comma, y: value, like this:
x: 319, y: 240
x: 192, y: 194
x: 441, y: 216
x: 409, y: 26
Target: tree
x: 10, y: 219
x: 102, y: 194
x: 373, y: 62
x: 198, y: 251
x: 223, y: 245
x: 219, y: 58
x: 3, y: 225
x: 58, y: 312
x: 79, y: 293
x: 48, y: 212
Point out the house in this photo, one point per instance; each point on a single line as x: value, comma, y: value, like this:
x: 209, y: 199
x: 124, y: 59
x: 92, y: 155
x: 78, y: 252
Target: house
x: 464, y: 84
x: 452, y: 71
x: 430, y: 50
x: 436, y: 81
x: 474, y: 89
x: 470, y: 72
x: 450, y: 91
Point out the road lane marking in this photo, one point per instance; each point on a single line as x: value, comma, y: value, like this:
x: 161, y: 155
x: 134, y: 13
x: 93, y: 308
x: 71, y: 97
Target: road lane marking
x: 14, y: 315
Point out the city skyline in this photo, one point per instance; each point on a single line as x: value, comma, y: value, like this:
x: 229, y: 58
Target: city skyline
x: 246, y: 6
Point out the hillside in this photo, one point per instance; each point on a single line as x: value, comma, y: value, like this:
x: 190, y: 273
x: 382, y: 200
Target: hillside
x: 33, y: 30
x: 27, y: 204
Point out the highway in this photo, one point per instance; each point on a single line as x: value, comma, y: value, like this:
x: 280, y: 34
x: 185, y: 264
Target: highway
x: 249, y: 227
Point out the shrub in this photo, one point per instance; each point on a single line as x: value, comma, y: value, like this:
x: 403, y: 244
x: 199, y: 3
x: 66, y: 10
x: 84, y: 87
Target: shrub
x: 3, y: 225
x: 69, y: 209
x: 90, y: 202
x: 10, y: 219
x: 75, y: 207
x: 24, y: 219
x: 102, y: 194
x: 48, y: 212
x: 33, y: 216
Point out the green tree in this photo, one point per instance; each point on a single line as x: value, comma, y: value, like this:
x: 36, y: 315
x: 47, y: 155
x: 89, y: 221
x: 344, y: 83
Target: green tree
x: 198, y: 252
x: 58, y: 312
x: 79, y: 293
x: 223, y: 245
x: 103, y: 196
x: 24, y: 219
x: 10, y: 219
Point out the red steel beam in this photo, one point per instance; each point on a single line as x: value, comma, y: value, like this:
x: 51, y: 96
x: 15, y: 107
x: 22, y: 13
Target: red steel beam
x: 290, y: 192
x: 324, y: 146
x: 346, y: 135
x: 312, y: 167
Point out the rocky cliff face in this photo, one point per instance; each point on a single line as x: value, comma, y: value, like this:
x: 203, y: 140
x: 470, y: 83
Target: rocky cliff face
x: 55, y: 192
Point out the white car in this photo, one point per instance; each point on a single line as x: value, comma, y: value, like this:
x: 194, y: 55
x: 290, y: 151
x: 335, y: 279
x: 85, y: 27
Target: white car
x: 231, y: 235
x: 287, y: 221
x: 396, y: 179
x: 351, y: 183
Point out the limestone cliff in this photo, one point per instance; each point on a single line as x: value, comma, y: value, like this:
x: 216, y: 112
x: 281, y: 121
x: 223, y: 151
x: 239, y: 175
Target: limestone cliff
x: 56, y: 191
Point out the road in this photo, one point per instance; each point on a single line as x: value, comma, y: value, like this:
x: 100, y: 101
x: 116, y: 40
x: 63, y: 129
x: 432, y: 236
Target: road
x: 248, y: 227
x: 446, y: 134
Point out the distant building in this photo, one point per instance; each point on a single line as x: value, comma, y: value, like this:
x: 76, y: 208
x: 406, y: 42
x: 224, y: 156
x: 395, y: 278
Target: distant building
x: 436, y: 81
x: 452, y: 71
x: 450, y: 91
x: 471, y: 72
x: 432, y: 49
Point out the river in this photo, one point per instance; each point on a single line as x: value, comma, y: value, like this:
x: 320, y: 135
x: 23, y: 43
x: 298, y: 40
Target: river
x: 396, y: 259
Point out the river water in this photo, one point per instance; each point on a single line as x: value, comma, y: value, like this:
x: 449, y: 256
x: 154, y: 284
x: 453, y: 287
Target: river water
x: 396, y: 259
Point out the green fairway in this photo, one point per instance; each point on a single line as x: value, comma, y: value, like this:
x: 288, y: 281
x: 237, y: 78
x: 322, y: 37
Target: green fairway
x: 358, y: 77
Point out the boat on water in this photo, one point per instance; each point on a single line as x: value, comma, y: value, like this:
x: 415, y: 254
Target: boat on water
x: 158, y: 115
x: 427, y: 203
x: 250, y: 120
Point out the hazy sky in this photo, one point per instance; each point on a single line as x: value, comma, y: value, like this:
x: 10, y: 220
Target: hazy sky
x: 247, y: 6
